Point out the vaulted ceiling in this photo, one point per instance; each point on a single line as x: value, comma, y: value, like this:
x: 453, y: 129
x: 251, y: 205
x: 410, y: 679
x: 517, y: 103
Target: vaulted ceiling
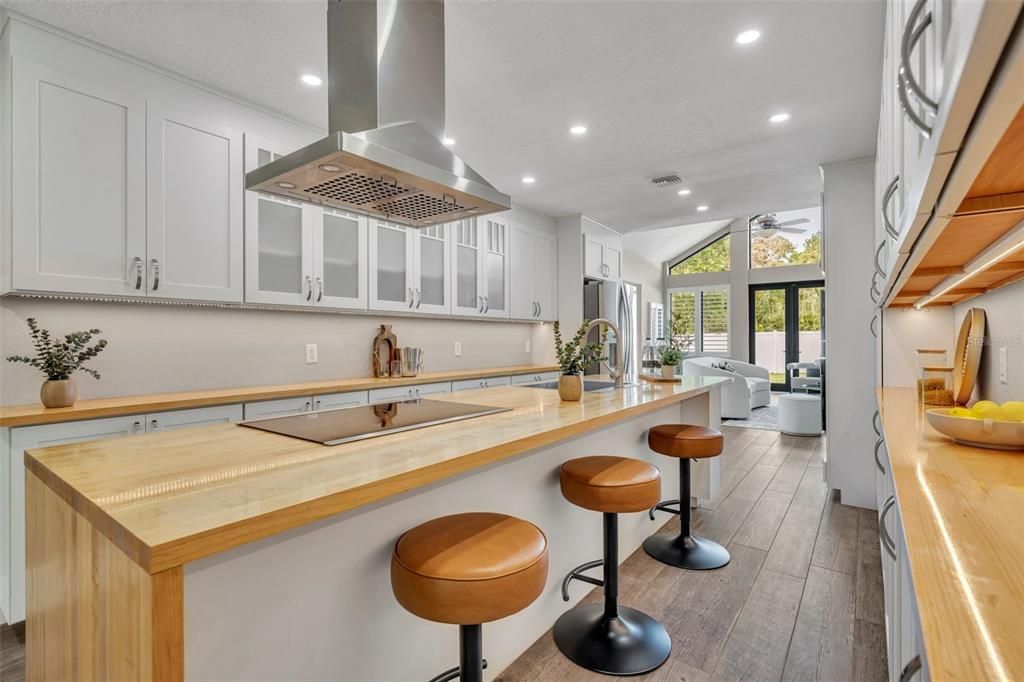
x: 661, y: 86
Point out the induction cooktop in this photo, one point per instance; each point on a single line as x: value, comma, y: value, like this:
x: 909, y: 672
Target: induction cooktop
x: 347, y: 424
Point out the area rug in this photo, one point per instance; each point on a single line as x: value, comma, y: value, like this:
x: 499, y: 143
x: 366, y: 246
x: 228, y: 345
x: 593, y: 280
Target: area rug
x: 766, y: 417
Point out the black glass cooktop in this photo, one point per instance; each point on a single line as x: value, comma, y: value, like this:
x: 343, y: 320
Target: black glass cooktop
x: 347, y: 424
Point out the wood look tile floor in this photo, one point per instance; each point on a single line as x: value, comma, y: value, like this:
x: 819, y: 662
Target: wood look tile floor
x: 800, y: 600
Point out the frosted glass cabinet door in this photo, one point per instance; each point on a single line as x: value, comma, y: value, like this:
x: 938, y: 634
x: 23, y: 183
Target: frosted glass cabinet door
x: 391, y: 266
x: 340, y: 259
x: 495, y: 237
x: 467, y: 297
x: 278, y: 239
x: 431, y: 289
x: 79, y: 188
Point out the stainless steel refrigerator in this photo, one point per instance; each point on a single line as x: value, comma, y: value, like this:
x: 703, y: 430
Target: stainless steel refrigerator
x: 620, y: 303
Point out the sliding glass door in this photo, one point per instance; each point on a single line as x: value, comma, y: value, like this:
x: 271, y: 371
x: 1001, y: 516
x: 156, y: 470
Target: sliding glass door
x: 787, y: 323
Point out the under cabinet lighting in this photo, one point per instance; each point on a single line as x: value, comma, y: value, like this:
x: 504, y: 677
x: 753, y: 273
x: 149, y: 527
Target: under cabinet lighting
x: 310, y: 79
x: 747, y: 37
x: 1006, y: 245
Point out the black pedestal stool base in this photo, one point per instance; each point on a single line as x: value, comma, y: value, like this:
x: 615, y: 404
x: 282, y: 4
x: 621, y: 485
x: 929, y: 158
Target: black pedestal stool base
x: 632, y: 643
x: 687, y: 551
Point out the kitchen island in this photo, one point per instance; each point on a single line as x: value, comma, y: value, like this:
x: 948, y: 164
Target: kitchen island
x: 225, y: 552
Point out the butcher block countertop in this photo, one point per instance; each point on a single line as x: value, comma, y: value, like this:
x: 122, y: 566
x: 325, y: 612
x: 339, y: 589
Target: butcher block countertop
x: 172, y: 497
x: 25, y: 415
x: 963, y: 519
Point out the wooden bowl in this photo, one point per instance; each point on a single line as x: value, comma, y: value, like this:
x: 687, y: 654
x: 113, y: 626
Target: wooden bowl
x: 983, y: 433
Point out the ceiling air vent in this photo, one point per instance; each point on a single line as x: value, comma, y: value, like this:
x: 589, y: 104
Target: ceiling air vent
x: 666, y: 180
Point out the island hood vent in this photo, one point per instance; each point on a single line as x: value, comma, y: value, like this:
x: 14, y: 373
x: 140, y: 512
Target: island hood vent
x: 386, y: 108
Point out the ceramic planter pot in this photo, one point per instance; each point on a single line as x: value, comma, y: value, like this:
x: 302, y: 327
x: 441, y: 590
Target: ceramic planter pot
x: 58, y: 393
x: 570, y: 386
x: 668, y: 371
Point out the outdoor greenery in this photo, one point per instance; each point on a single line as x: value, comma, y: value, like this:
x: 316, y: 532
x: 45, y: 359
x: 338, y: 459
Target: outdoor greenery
x: 770, y: 310
x: 575, y: 356
x: 59, y: 359
x: 712, y: 258
x: 774, y: 250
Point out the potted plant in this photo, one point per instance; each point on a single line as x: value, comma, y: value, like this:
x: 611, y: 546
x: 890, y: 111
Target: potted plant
x: 58, y: 359
x: 573, y: 358
x: 670, y: 359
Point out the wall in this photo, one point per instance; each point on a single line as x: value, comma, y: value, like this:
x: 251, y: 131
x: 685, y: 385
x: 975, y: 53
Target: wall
x: 1004, y: 328
x: 904, y: 330
x: 639, y: 270
x: 156, y: 348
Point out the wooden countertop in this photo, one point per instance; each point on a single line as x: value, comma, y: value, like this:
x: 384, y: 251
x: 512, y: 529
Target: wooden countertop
x: 25, y: 415
x: 176, y: 496
x: 963, y: 519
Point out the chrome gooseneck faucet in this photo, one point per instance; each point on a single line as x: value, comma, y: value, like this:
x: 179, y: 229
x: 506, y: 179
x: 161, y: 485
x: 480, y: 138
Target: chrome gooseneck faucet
x: 617, y: 372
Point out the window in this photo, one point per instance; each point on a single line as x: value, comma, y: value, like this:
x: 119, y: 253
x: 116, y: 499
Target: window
x: 700, y: 320
x: 712, y: 258
x: 785, y: 238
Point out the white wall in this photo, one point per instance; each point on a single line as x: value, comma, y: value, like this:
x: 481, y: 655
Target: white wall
x: 156, y: 348
x: 639, y: 270
x: 1004, y: 328
x: 904, y: 330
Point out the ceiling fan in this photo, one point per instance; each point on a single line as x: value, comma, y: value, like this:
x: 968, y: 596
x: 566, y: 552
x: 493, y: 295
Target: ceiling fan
x: 769, y: 224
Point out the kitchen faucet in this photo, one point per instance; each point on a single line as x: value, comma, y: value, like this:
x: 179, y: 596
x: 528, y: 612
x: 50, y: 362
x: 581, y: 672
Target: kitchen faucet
x: 617, y: 372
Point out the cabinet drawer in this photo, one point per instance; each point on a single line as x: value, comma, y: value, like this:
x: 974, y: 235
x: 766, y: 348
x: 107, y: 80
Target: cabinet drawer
x: 278, y: 408
x: 184, y: 419
x: 380, y: 395
x: 335, y: 400
x: 470, y: 384
x: 520, y: 379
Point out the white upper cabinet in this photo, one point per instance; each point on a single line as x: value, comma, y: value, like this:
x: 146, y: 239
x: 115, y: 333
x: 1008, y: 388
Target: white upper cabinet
x: 467, y: 264
x: 431, y: 283
x: 602, y: 255
x: 593, y: 257
x: 533, y: 274
x: 339, y: 258
x: 194, y: 225
x: 78, y: 183
x: 495, y: 236
x: 410, y: 269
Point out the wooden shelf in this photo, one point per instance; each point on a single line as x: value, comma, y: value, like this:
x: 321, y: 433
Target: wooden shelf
x: 991, y: 209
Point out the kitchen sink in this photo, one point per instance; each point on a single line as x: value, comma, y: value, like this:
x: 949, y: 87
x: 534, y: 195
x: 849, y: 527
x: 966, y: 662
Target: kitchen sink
x: 587, y: 385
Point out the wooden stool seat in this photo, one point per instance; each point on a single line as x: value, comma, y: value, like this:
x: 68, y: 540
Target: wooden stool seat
x: 685, y: 440
x: 469, y: 568
x: 611, y: 484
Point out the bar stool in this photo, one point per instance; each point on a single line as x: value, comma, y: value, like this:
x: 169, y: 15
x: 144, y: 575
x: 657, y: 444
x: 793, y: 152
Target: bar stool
x: 685, y: 442
x: 469, y: 569
x: 609, y: 638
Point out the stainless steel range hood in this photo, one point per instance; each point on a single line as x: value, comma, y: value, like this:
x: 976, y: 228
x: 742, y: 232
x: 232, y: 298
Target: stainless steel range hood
x: 385, y: 158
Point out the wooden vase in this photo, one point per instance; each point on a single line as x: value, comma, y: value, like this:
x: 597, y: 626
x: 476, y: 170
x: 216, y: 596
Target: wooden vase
x: 668, y: 371
x: 570, y: 386
x: 58, y: 393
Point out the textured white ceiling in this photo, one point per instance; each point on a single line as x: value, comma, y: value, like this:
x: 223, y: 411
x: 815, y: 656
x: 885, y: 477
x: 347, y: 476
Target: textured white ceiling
x: 661, y: 85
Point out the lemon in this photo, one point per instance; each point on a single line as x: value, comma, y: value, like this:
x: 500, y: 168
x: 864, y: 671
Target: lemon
x: 961, y: 412
x: 1013, y: 410
x: 986, y: 409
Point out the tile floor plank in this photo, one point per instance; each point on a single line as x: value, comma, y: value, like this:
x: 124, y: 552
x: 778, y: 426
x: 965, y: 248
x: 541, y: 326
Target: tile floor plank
x: 822, y: 646
x: 793, y: 545
x: 870, y: 592
x: 836, y: 545
x: 763, y: 521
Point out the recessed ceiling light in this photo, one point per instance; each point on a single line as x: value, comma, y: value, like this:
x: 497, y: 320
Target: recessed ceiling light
x: 702, y: 207
x: 529, y: 179
x: 310, y: 79
x: 781, y: 117
x: 330, y: 168
x: 747, y: 37
x: 448, y: 141
x: 578, y: 130
x: 683, y: 192
x: 286, y: 185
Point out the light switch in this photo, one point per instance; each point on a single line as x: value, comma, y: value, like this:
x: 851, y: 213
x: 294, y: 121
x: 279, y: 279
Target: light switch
x: 312, y: 356
x: 458, y: 349
x: 528, y: 345
x: 1003, y: 378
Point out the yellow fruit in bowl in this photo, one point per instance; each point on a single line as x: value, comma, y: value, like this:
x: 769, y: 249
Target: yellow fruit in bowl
x: 961, y: 412
x: 1013, y: 410
x: 986, y: 409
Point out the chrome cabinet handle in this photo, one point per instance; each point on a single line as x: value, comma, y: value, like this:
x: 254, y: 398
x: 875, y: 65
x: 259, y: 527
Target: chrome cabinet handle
x: 156, y: 274
x: 890, y: 546
x: 309, y: 406
x: 412, y: 299
x: 878, y: 266
x: 138, y: 272
x: 871, y: 326
x: 908, y: 41
x: 479, y: 304
x: 487, y: 304
x: 154, y: 424
x: 137, y: 427
x: 908, y: 110
x: 878, y: 462
x: 318, y: 403
x: 309, y: 287
x: 319, y: 289
x: 540, y: 309
x: 874, y: 293
x: 887, y: 195
x: 419, y: 298
x: 911, y: 668
x: 875, y: 424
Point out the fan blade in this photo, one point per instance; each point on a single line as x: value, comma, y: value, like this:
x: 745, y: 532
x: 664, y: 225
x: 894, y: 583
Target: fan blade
x: 798, y: 221
x: 791, y: 230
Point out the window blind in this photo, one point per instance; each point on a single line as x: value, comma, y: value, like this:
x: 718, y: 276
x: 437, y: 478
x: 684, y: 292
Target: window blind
x: 714, y: 321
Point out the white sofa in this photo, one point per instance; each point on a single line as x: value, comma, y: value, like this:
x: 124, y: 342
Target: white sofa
x: 750, y: 387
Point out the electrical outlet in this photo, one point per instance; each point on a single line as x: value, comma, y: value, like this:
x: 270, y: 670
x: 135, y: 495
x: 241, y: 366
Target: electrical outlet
x: 1003, y: 378
x: 528, y: 345
x: 312, y: 355
x: 458, y: 349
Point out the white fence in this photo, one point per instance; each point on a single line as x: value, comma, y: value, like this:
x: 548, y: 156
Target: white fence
x: 770, y: 349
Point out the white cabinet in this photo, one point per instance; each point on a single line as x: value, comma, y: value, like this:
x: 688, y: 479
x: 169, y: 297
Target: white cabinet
x: 78, y: 184
x: 334, y: 401
x: 471, y: 384
x: 533, y: 282
x: 602, y: 255
x: 410, y: 269
x: 194, y: 198
x: 186, y: 419
x: 380, y: 395
x: 520, y: 379
x: 284, y: 407
x: 297, y: 254
x: 481, y: 266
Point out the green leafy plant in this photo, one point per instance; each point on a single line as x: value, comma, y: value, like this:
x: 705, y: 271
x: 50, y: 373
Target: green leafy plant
x: 670, y: 355
x: 59, y: 358
x: 575, y: 356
